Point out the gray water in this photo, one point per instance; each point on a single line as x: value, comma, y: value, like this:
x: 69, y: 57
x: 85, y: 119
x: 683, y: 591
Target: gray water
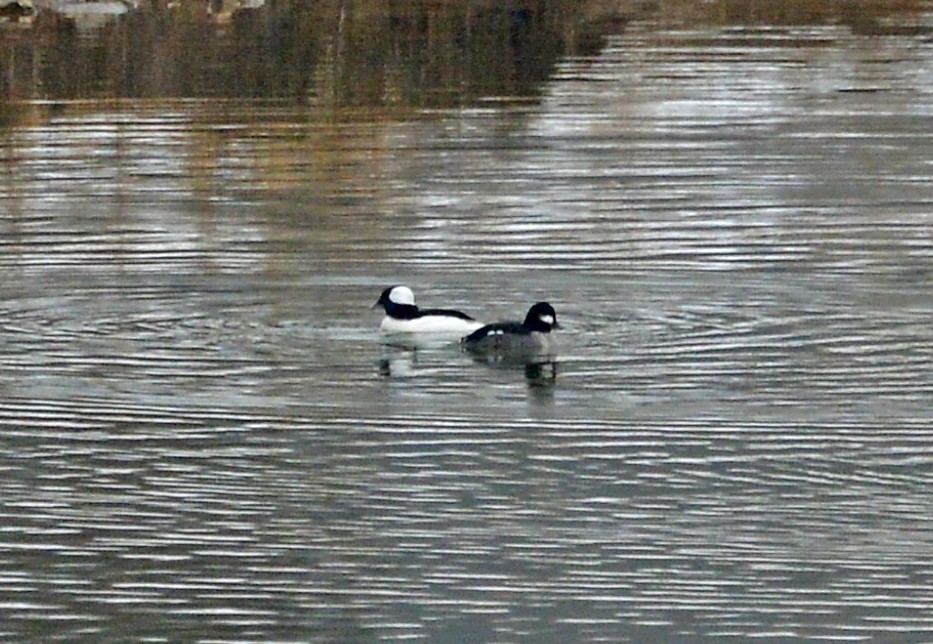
x: 203, y: 438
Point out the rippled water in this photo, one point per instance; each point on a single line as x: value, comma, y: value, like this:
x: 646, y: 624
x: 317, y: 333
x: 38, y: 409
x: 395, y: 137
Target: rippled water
x: 202, y: 438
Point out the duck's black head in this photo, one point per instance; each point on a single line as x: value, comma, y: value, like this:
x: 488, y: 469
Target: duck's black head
x: 541, y: 318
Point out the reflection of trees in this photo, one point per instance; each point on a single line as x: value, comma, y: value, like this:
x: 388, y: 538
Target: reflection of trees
x: 349, y: 53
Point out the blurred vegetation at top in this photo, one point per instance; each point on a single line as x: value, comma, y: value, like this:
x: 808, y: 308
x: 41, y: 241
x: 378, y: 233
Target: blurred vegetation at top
x: 349, y: 52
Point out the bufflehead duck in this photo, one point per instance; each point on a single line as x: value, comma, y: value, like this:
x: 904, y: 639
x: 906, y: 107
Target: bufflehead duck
x: 404, y: 318
x: 520, y: 341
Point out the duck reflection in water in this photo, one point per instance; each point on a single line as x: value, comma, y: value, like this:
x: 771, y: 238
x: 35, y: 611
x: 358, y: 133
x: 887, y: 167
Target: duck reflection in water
x: 541, y: 374
x: 403, y: 362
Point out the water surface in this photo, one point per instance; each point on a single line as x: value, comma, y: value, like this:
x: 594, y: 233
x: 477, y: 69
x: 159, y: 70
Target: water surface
x: 201, y: 436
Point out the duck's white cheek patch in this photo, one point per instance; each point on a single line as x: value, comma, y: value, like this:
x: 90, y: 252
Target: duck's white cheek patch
x: 548, y: 319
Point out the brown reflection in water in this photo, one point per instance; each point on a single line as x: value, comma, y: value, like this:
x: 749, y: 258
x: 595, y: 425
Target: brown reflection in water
x: 343, y: 53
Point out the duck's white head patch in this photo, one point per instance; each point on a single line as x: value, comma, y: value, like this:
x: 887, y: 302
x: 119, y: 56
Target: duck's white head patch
x: 402, y: 295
